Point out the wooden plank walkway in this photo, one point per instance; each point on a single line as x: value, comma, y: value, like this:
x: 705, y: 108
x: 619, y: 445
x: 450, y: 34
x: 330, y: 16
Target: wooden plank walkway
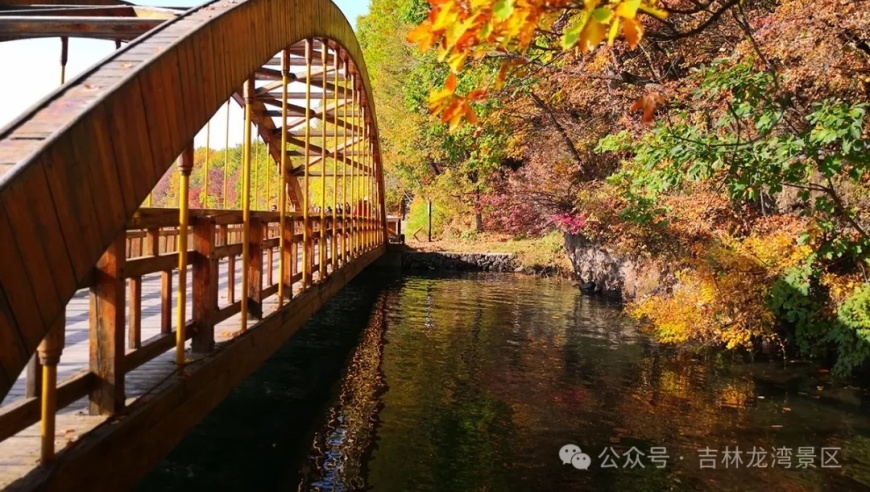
x: 20, y: 453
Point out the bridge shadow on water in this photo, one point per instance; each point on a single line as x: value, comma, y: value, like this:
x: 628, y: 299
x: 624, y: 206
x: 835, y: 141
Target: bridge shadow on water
x: 257, y: 438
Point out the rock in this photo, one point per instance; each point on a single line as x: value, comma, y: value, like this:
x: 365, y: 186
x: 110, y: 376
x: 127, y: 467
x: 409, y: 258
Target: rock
x: 616, y: 274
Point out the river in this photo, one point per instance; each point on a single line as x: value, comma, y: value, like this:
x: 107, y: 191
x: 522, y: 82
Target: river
x: 487, y: 382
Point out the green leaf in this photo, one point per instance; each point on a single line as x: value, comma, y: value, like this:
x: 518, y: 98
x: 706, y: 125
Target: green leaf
x: 602, y: 14
x: 571, y: 35
x: 503, y: 9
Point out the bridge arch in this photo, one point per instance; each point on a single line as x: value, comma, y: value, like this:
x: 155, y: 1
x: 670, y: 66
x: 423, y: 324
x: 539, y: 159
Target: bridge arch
x: 76, y: 167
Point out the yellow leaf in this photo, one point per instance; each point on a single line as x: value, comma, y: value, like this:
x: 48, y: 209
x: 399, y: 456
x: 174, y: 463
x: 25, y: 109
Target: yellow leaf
x: 457, y: 61
x: 445, y: 18
x: 633, y: 32
x: 628, y: 9
x: 614, y: 29
x: 592, y: 35
x: 441, y: 53
x: 653, y: 11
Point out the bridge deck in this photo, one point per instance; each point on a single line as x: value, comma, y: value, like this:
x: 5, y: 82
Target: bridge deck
x: 20, y: 454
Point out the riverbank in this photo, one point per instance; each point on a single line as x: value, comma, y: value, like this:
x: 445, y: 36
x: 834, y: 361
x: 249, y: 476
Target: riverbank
x: 542, y: 256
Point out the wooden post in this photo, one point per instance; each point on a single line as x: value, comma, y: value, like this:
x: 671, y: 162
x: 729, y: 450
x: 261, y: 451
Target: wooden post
x: 134, y: 336
x: 255, y: 271
x: 205, y: 284
x: 401, y: 214
x: 224, y: 239
x: 107, y: 331
x: 33, y: 383
x: 49, y: 352
x: 429, y: 213
x: 231, y: 279
x: 166, y: 302
x: 270, y: 257
x: 308, y: 253
x: 288, y: 255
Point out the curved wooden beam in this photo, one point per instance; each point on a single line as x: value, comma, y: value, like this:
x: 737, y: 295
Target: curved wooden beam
x: 79, y: 163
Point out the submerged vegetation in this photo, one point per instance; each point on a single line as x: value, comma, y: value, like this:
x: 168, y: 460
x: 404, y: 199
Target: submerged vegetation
x: 728, y: 139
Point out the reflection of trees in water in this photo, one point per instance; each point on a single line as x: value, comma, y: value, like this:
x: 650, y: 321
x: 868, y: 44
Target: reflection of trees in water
x: 487, y: 379
x: 342, y: 447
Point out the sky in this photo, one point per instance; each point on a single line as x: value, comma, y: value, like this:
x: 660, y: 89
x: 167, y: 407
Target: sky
x: 31, y: 70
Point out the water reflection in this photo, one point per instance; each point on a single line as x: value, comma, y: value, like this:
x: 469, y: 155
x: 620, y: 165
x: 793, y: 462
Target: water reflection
x: 343, y: 447
x: 475, y: 382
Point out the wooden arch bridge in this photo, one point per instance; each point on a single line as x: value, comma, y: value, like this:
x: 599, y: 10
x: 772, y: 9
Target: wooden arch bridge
x: 121, y: 324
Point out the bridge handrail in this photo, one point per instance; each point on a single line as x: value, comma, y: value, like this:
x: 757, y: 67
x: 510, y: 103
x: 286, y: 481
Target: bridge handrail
x: 160, y: 258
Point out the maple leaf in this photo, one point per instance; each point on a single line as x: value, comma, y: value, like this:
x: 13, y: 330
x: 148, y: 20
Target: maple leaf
x: 648, y: 103
x: 422, y: 35
x: 633, y: 31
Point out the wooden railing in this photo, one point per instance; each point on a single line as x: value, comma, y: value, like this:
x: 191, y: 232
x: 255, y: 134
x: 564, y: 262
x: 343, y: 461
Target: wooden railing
x: 149, y: 247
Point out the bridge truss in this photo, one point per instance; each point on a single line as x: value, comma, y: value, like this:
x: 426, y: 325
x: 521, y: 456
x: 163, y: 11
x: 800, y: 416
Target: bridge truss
x: 236, y: 276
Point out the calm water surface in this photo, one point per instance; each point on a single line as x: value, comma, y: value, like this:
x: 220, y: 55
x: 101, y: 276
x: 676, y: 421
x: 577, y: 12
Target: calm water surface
x: 475, y: 382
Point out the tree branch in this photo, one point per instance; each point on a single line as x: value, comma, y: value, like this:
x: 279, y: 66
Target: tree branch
x: 561, y: 129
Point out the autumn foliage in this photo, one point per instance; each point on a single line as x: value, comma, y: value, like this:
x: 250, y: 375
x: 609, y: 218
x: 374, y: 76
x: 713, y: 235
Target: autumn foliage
x: 473, y: 30
x: 725, y: 140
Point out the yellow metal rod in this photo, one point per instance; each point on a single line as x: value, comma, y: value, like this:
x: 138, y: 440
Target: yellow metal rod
x: 371, y: 204
x: 322, y: 247
x: 344, y: 208
x: 49, y: 410
x: 362, y: 179
x: 269, y: 171
x: 365, y: 182
x: 359, y: 175
x: 227, y: 157
x: 207, y: 150
x: 334, y: 243
x: 306, y: 271
x: 183, y: 223
x: 246, y: 202
x: 373, y: 185
x: 257, y: 175
x: 353, y: 171
x: 282, y: 264
x: 370, y: 193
